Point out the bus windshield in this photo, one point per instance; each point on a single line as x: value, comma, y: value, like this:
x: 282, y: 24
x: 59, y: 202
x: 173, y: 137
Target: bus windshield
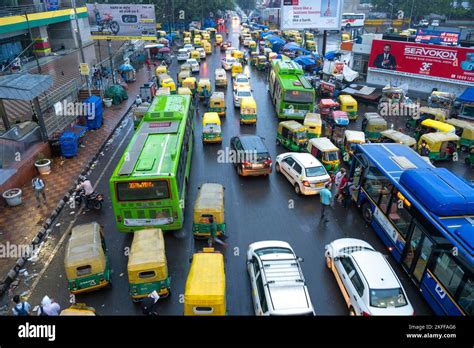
x: 142, y: 190
x: 298, y: 97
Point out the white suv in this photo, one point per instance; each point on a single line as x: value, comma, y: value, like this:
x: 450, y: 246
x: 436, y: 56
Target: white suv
x: 366, y: 279
x: 183, y: 55
x: 307, y: 175
x: 278, y: 285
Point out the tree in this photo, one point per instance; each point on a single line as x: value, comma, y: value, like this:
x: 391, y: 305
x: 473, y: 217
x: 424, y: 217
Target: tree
x: 421, y: 9
x: 246, y: 5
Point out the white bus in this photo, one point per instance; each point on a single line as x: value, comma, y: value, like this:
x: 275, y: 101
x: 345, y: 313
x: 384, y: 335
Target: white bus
x: 351, y: 20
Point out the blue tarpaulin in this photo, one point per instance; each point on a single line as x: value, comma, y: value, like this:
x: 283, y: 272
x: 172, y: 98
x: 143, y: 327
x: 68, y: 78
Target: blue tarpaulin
x: 467, y: 96
x: 305, y: 61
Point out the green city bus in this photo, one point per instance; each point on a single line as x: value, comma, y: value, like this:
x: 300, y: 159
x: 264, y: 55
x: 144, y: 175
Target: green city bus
x: 148, y: 186
x: 291, y: 93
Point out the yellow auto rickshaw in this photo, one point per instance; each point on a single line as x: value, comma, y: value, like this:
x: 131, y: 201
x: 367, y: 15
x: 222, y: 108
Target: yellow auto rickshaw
x: 292, y: 135
x: 203, y: 87
x: 248, y: 111
x: 187, y: 34
x: 253, y: 58
x: 394, y: 136
x: 465, y: 130
x: 351, y: 139
x: 182, y: 76
x: 220, y: 78
x: 313, y: 124
x: 207, y: 47
x: 161, y: 69
x: 78, y: 309
x: 238, y: 55
x: 197, y: 41
x: 326, y: 152
x: 252, y: 46
x: 195, y: 54
x: 206, y: 36
x: 86, y: 264
x: 236, y: 69
x: 190, y: 82
x: 205, y: 290
x: 372, y: 125
x: 209, y: 203
x: 310, y: 45
x: 430, y: 126
x: 308, y: 36
x: 211, y: 128
x: 184, y: 91
x: 185, y: 67
x: 163, y: 91
x: 187, y: 40
x: 217, y: 103
x: 262, y: 62
x: 349, y: 105
x: 147, y: 267
x: 219, y: 40
x: 425, y: 113
x: 169, y: 82
x: 442, y: 146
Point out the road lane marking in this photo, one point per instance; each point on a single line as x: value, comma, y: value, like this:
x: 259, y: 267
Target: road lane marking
x: 61, y: 241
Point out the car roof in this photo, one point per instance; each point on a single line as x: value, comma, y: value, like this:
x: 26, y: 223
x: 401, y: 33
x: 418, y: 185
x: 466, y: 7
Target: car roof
x: 306, y: 159
x: 254, y: 142
x: 376, y: 269
x: 241, y: 75
x: 244, y: 89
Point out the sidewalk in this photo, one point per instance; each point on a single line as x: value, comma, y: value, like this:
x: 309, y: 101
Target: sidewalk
x: 19, y: 225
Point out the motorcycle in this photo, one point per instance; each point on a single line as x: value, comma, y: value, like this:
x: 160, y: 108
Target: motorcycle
x: 108, y: 23
x: 93, y: 201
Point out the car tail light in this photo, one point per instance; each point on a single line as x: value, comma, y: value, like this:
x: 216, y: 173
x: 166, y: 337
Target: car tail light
x: 268, y: 162
x: 365, y: 314
x: 247, y: 164
x: 119, y: 218
x: 306, y: 183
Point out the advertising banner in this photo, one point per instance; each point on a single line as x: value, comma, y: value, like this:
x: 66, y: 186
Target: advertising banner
x: 431, y: 62
x: 122, y: 22
x: 311, y: 14
x: 437, y: 37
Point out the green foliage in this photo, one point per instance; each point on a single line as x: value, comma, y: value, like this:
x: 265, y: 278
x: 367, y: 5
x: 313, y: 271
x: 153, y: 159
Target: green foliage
x: 246, y: 4
x: 422, y: 8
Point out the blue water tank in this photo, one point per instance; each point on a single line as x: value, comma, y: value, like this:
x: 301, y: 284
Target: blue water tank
x: 95, y: 112
x: 69, y: 144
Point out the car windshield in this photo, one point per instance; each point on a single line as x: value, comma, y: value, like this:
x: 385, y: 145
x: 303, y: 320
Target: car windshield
x: 244, y: 94
x: 275, y: 250
x: 385, y: 298
x: 315, y: 171
x: 298, y: 97
x: 242, y: 80
x: 230, y: 60
x: 331, y: 156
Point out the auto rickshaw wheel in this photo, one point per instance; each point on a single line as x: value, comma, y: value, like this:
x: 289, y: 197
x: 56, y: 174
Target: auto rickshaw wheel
x: 464, y: 148
x: 277, y: 167
x: 367, y: 212
x: 278, y: 142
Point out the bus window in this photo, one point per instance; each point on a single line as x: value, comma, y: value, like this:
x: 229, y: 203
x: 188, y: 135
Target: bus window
x: 298, y: 97
x: 448, y: 272
x: 466, y: 298
x: 375, y: 183
x: 142, y: 190
x: 399, y: 215
x: 386, y: 196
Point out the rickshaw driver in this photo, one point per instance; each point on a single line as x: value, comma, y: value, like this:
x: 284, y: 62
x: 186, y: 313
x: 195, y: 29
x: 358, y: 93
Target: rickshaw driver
x: 213, y: 231
x: 207, y: 96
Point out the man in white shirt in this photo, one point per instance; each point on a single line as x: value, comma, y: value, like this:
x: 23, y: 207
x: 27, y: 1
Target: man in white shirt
x: 87, y: 186
x: 38, y: 185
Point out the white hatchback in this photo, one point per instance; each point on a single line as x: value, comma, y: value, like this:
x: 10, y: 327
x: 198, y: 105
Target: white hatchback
x: 228, y: 62
x: 188, y: 47
x: 307, y: 175
x: 366, y: 279
x: 240, y: 93
x: 194, y: 65
x: 240, y: 81
x: 183, y: 55
x: 202, y: 52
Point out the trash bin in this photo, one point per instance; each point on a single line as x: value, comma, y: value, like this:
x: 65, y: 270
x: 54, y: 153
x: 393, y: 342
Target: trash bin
x: 69, y: 141
x: 95, y: 112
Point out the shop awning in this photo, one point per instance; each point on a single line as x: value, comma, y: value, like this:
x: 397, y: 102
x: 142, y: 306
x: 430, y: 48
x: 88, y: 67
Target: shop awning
x: 23, y: 86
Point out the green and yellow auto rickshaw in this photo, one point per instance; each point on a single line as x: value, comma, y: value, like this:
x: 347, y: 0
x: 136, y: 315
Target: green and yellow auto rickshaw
x: 326, y: 152
x: 308, y: 36
x: 184, y: 91
x: 252, y: 46
x: 183, y: 75
x: 442, y: 146
x: 147, y: 267
x: 465, y: 130
x: 313, y: 125
x: 372, y: 125
x: 86, y: 264
x: 219, y: 39
x: 248, y: 111
x: 469, y: 160
x: 209, y: 203
x: 349, y: 105
x: 262, y: 62
x: 427, y: 113
x: 292, y: 135
x: 253, y: 58
x: 351, y: 139
x: 203, y: 87
x: 310, y: 45
x: 190, y: 82
x: 393, y: 136
x: 217, y: 103
x: 211, y: 128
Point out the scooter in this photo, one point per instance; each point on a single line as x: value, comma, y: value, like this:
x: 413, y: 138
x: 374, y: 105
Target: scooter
x: 93, y: 201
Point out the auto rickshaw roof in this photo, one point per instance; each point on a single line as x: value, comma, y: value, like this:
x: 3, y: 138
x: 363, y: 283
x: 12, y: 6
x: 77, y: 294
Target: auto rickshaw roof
x: 248, y: 102
x: 372, y: 115
x: 354, y: 136
x: 460, y: 123
x: 210, y: 200
x: 328, y: 103
x: 217, y: 96
x: 439, y: 137
x: 323, y: 144
x: 312, y: 118
x: 147, y: 250
x: 441, y: 126
x: 261, y: 57
x: 204, y: 81
x: 84, y: 246
x: 190, y: 79
x: 292, y: 125
x: 163, y: 91
x: 211, y: 117
x: 184, y: 91
x: 347, y: 99
x: 206, y: 280
x: 399, y: 137
x: 434, y: 111
x: 441, y: 94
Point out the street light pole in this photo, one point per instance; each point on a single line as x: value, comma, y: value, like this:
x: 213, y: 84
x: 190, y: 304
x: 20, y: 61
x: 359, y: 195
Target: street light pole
x: 79, y: 41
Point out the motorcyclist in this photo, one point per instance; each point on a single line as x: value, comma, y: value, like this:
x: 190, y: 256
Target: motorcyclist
x: 86, y: 185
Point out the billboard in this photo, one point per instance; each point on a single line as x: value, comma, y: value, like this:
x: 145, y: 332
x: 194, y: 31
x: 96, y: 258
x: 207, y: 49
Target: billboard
x: 431, y: 62
x: 311, y: 14
x: 122, y: 22
x: 437, y: 37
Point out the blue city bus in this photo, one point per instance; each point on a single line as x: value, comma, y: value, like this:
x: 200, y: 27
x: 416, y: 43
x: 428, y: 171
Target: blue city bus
x: 425, y: 217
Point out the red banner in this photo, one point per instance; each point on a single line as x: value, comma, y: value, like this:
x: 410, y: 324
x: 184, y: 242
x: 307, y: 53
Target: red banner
x: 431, y: 62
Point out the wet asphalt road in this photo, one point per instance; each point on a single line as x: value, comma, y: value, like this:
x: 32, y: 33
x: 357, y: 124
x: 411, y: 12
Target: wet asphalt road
x: 256, y: 209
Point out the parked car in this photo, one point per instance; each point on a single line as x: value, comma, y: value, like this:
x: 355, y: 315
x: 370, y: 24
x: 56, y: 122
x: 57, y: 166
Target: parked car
x: 240, y: 93
x: 307, y: 175
x: 183, y: 55
x: 227, y: 62
x: 366, y: 279
x: 277, y: 281
x: 194, y: 65
x: 252, y: 157
x: 241, y: 81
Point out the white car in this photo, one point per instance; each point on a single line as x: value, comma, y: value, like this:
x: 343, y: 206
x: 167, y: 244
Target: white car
x: 435, y: 23
x: 278, y: 285
x: 240, y: 93
x: 424, y: 23
x: 194, y: 65
x: 241, y: 81
x: 307, y: 175
x: 202, y: 52
x: 188, y: 47
x: 366, y: 279
x: 227, y: 63
x: 183, y: 55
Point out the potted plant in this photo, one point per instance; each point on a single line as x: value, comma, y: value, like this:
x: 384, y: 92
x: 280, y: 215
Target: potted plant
x: 12, y: 196
x: 108, y: 102
x: 43, y: 164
